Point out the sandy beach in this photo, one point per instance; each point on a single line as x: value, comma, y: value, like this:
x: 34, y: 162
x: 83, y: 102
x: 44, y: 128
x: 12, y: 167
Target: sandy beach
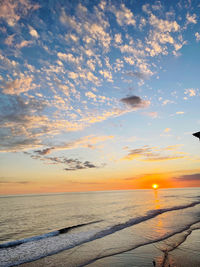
x: 184, y: 255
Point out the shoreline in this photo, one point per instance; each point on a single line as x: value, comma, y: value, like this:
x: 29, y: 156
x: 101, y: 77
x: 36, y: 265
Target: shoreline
x: 183, y: 255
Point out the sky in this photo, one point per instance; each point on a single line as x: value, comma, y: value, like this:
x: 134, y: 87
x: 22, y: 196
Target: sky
x: 98, y: 95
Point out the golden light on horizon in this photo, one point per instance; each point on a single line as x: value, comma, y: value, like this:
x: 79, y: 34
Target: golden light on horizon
x: 154, y: 186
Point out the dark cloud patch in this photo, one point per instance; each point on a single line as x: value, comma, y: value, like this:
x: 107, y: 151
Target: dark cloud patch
x: 134, y: 102
x: 138, y: 75
x: 189, y: 177
x: 44, y: 151
x: 71, y: 164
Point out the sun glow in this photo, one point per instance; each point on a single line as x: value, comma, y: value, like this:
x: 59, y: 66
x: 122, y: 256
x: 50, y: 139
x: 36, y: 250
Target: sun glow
x: 154, y: 186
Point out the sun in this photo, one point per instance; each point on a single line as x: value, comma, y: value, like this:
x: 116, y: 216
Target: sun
x: 154, y: 186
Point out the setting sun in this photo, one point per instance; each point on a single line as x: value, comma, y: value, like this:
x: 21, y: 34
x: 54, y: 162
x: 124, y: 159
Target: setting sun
x: 154, y: 186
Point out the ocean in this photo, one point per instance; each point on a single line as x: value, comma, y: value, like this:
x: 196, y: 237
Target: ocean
x: 112, y: 228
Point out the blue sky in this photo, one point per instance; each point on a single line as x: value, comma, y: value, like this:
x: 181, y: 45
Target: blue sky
x: 98, y: 94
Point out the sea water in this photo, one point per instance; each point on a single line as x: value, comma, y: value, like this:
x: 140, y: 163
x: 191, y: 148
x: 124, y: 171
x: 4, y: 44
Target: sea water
x: 78, y: 229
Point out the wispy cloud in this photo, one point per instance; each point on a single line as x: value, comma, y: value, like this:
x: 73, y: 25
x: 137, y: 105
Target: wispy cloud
x: 85, y: 142
x: 138, y: 75
x: 147, y: 153
x: 5, y: 180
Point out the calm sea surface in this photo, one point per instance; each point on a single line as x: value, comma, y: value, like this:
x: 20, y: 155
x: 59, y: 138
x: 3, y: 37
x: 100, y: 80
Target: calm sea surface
x: 86, y: 227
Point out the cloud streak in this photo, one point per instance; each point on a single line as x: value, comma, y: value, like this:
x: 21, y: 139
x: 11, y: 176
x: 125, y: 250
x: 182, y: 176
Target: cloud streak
x: 69, y: 163
x: 84, y: 142
x: 189, y: 177
x: 147, y: 153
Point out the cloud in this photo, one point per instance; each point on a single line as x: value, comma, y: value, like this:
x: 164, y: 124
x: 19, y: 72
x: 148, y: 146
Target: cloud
x: 167, y: 101
x: 124, y: 16
x: 134, y: 153
x: 21, y: 122
x: 9, y: 40
x: 17, y: 143
x: 7, y: 63
x: 147, y: 153
x: 118, y: 38
x: 138, y: 75
x: 191, y: 18
x: 33, y: 32
x: 173, y: 147
x: 44, y: 151
x: 190, y: 92
x: 9, y: 181
x: 18, y: 86
x: 107, y: 75
x: 91, y: 95
x: 71, y: 164
x: 161, y: 34
x: 23, y: 44
x: 69, y: 57
x: 152, y: 114
x: 91, y: 27
x: 77, y: 165
x: 163, y: 158
x: 12, y: 11
x: 163, y: 25
x: 135, y: 102
x: 129, y: 60
x: 197, y: 35
x: 72, y: 61
x: 84, y: 142
x: 189, y: 177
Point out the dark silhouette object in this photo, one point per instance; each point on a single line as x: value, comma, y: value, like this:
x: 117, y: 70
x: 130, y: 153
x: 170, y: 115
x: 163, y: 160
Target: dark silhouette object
x: 197, y: 135
x: 154, y: 263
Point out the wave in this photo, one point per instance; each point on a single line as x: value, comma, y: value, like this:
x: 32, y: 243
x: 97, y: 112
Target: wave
x: 43, y: 236
x: 15, y: 252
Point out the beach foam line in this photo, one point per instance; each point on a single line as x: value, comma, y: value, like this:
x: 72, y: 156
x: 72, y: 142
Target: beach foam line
x: 43, y: 247
x: 39, y: 237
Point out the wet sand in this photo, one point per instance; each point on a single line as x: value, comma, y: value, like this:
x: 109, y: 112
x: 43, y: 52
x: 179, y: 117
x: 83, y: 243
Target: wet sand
x: 187, y: 254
